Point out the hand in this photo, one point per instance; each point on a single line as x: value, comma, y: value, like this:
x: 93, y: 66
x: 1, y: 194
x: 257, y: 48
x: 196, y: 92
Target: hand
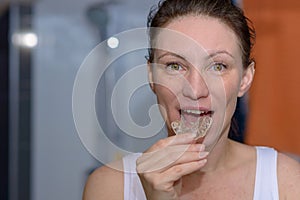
x: 162, y: 167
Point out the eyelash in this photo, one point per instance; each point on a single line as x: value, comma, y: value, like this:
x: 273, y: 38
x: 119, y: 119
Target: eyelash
x: 224, y: 66
x: 170, y: 64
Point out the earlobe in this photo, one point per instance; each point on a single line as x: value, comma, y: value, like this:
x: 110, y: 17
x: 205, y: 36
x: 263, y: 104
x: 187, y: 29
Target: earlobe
x: 247, y: 79
x: 150, y: 76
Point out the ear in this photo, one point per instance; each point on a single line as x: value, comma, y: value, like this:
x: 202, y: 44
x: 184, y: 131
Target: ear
x: 150, y: 76
x: 247, y: 79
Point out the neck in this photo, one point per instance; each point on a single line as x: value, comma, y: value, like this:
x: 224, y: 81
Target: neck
x: 219, y: 156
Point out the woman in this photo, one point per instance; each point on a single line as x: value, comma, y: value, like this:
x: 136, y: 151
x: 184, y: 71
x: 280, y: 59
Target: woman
x: 199, y: 63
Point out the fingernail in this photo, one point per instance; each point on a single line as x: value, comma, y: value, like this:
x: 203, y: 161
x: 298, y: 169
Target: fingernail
x: 202, y: 147
x: 203, y: 154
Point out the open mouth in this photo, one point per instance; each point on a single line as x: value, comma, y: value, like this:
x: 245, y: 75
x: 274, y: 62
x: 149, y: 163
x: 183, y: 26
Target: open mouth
x: 194, y: 114
x: 193, y: 121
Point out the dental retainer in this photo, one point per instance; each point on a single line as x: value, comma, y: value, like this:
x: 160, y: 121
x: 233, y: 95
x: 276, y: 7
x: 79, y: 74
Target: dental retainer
x: 200, y: 126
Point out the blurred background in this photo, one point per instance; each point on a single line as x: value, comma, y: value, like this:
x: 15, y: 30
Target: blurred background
x: 44, y: 42
x: 274, y: 98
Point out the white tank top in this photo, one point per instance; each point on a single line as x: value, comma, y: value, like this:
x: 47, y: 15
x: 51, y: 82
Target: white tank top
x: 266, y: 187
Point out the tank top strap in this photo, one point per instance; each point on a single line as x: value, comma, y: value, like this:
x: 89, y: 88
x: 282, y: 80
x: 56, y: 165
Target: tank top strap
x: 266, y: 186
x: 133, y: 189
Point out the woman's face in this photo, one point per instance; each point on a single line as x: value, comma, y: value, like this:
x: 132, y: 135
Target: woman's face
x: 198, y: 71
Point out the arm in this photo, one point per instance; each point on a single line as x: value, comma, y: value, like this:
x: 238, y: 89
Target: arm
x: 104, y: 183
x: 288, y: 177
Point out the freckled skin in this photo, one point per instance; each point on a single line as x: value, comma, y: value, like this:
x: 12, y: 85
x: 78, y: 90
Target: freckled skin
x: 228, y: 171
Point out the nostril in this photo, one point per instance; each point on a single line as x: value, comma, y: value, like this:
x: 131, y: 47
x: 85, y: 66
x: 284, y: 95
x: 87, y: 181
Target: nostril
x: 195, y: 91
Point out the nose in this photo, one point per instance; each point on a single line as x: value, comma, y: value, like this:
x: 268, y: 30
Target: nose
x: 195, y: 86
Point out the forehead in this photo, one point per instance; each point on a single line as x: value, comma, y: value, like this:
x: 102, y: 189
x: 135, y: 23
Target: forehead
x: 198, y: 35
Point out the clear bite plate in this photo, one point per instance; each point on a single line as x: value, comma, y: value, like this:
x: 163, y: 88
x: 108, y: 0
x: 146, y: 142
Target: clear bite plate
x: 200, y: 126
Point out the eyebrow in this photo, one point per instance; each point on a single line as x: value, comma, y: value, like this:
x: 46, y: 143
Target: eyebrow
x: 171, y: 54
x: 211, y: 55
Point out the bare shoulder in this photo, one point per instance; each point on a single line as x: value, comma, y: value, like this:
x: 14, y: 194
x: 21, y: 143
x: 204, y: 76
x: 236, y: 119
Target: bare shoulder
x: 288, y: 177
x: 105, y: 183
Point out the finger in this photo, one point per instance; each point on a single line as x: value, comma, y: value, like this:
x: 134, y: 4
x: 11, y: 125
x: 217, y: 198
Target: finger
x: 160, y: 162
x: 187, y: 138
x: 178, y: 171
x: 195, y: 147
x: 162, y: 153
x: 176, y: 159
x: 181, y: 148
x: 190, y: 157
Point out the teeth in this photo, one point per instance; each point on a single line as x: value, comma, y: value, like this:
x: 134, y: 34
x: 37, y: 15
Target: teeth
x: 197, y: 112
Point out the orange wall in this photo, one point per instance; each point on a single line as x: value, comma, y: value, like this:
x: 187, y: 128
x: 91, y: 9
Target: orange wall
x: 274, y: 107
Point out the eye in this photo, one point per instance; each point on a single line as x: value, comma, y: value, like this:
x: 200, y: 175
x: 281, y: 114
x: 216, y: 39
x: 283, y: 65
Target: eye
x: 218, y: 67
x: 174, y: 67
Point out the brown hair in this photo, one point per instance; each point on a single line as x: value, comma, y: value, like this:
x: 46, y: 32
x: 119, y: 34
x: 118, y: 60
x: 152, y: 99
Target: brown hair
x: 168, y: 10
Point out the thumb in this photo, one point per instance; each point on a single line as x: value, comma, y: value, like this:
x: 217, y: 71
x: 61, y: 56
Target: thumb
x: 178, y: 186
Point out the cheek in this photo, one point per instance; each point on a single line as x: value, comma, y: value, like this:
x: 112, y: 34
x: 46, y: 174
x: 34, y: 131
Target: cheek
x: 166, y: 96
x: 231, y: 89
x: 165, y: 88
x: 168, y: 101
x: 224, y: 92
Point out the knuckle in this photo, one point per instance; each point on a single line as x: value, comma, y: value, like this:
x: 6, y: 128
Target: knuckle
x: 161, y: 143
x: 167, y: 187
x: 177, y: 169
x: 149, y: 177
x: 156, y: 183
x: 193, y: 147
